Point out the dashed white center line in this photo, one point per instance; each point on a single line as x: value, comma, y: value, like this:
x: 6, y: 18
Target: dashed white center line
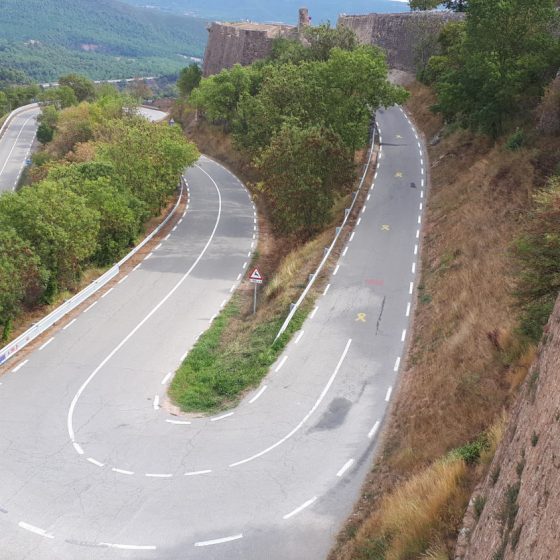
x: 397, y: 364
x: 300, y: 508
x: 299, y: 337
x: 19, y: 366
x: 218, y: 418
x: 373, y: 431
x: 346, y: 466
x: 156, y: 402
x: 91, y: 306
x: 121, y: 471
x: 46, y: 343
x: 327, y: 289
x: 95, y: 462
x: 336, y: 269
x: 313, y: 312
x: 219, y: 541
x: 281, y: 364
x: 123, y: 279
x: 388, y: 395
x: 403, y: 336
x: 157, y: 475
x: 196, y: 473
x: 259, y: 394
x: 107, y: 293
x: 36, y: 530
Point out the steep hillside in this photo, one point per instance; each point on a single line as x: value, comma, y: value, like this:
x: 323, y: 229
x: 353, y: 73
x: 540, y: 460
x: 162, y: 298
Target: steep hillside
x: 520, y: 498
x: 105, y: 38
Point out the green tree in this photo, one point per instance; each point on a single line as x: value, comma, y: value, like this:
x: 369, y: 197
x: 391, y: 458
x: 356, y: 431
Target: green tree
x: 322, y: 39
x: 302, y: 170
x: 83, y: 88
x: 457, y: 5
x: 189, y: 79
x: 416, y: 5
x: 508, y: 55
x: 61, y: 97
x: 22, y: 280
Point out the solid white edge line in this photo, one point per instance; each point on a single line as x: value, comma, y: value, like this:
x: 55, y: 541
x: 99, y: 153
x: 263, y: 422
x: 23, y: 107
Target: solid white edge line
x: 69, y: 421
x: 373, y: 431
x: 389, y: 392
x: 36, y: 530
x: 300, y: 508
x: 217, y: 418
x: 281, y: 364
x: 219, y: 541
x: 345, y: 467
x: 167, y: 378
x: 259, y: 394
x: 306, y: 417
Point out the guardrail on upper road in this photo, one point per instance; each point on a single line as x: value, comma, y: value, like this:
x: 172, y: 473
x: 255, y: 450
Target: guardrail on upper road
x: 46, y: 323
x: 14, y: 113
x: 329, y: 250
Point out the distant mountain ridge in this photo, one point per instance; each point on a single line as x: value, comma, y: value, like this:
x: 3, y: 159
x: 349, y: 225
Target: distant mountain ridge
x: 101, y: 38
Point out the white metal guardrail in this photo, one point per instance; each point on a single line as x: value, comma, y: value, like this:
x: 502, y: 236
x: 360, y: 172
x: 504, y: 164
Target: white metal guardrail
x: 330, y: 249
x: 47, y: 322
x: 14, y: 113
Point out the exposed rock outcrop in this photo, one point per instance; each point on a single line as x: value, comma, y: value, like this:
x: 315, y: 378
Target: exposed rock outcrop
x: 520, y: 499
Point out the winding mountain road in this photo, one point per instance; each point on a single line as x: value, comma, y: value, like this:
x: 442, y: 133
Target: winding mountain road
x: 93, y: 466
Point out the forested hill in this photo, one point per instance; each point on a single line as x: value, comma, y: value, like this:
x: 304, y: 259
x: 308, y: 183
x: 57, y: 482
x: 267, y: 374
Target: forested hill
x: 101, y: 38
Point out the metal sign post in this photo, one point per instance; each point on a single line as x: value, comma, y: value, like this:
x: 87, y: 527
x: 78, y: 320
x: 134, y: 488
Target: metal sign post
x: 255, y: 278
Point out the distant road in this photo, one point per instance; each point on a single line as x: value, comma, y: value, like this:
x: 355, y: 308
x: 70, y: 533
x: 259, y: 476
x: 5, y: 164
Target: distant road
x: 15, y: 145
x: 153, y: 115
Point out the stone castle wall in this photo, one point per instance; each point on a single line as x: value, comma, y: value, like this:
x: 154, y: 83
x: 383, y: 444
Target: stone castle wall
x: 408, y: 38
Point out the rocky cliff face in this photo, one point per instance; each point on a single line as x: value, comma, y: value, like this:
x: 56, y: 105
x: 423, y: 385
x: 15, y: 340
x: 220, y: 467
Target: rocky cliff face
x: 408, y: 38
x: 520, y: 499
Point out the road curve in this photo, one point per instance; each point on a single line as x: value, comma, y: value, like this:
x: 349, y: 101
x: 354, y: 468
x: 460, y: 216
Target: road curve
x: 92, y: 465
x: 15, y: 146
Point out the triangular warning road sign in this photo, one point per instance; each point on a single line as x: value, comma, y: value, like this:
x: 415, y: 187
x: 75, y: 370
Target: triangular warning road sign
x: 256, y: 276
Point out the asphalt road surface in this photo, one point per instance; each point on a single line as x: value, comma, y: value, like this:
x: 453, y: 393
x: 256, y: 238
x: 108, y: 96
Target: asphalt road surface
x: 15, y: 147
x: 93, y: 466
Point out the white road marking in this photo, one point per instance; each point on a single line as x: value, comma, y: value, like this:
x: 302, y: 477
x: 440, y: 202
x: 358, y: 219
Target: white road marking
x: 389, y: 393
x: 336, y: 270
x: 408, y: 309
x: 178, y: 422
x: 91, y: 306
x: 259, y: 394
x: 180, y: 222
x: 128, y: 546
x: 397, y: 364
x: 327, y: 289
x: 373, y: 431
x: 345, y: 251
x: 158, y: 247
x: 69, y: 324
x: 299, y: 337
x: 46, y: 344
x: 167, y: 237
x: 156, y: 402
x: 213, y: 317
x: 300, y: 508
x: 174, y: 229
x: 419, y: 219
x: 417, y: 234
x: 420, y: 147
x: 352, y: 237
x: 422, y: 171
x: 74, y: 402
x: 19, y: 366
x: 249, y: 254
x: 239, y: 276
x: 78, y: 448
x: 364, y: 209
x: 421, y: 207
x: 185, y: 212
x: 415, y: 250
x: 313, y: 312
x: 232, y: 289
x: 223, y: 303
x: 107, y: 293
x: 137, y: 267
x: 95, y: 462
x: 196, y: 473
x: 411, y: 288
x: 15, y: 144
x: 375, y: 176
x: 245, y: 265
x: 413, y: 268
x: 368, y: 196
x: 219, y: 541
x: 421, y: 161
x: 148, y: 257
x: 36, y: 530
x: 218, y: 418
x: 345, y: 467
x: 306, y: 417
x: 157, y: 475
x: 187, y: 352
x: 121, y: 471
x: 358, y: 222
x: 123, y: 279
x: 167, y: 378
x: 403, y: 336
x: 281, y: 364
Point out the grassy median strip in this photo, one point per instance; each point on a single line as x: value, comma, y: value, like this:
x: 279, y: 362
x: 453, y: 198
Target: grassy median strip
x: 232, y: 356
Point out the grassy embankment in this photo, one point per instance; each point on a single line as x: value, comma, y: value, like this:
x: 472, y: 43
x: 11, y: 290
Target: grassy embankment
x: 466, y: 357
x: 238, y: 349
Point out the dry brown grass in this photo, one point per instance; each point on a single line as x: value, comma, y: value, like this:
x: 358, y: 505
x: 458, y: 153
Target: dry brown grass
x: 465, y: 359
